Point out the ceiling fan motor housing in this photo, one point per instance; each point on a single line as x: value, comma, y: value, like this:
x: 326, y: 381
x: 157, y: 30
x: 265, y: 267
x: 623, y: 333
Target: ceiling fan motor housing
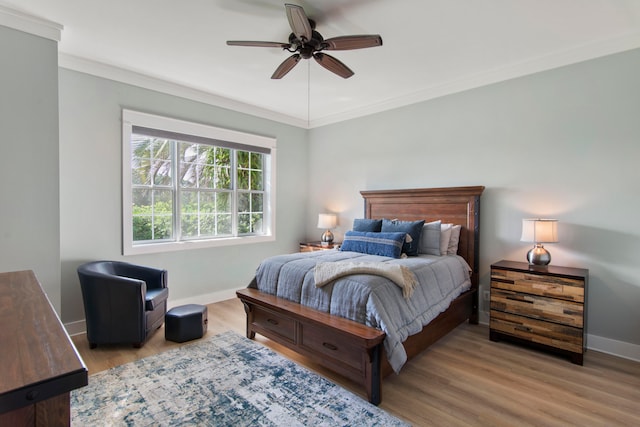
x: 306, y: 48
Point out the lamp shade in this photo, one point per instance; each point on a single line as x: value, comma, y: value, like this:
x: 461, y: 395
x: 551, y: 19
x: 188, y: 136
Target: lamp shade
x: 327, y: 221
x: 538, y: 230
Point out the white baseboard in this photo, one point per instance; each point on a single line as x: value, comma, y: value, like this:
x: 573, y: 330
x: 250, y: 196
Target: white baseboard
x: 79, y: 327
x: 617, y: 348
x: 76, y: 328
x: 204, y: 299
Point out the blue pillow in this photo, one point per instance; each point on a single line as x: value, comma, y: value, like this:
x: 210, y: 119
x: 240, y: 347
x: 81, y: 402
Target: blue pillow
x: 412, y: 228
x: 362, y: 224
x: 365, y: 242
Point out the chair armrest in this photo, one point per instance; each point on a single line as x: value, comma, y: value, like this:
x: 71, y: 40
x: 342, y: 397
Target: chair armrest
x: 155, y: 278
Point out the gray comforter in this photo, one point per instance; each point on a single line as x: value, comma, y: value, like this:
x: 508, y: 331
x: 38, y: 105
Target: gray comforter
x: 372, y: 300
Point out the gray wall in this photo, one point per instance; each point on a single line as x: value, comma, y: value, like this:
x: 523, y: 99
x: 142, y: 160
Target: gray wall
x: 29, y: 214
x: 563, y: 144
x: 91, y: 189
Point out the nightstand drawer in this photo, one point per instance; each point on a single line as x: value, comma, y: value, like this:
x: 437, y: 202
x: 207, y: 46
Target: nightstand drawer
x: 537, y: 284
x: 549, y: 309
x: 547, y: 333
x: 283, y: 326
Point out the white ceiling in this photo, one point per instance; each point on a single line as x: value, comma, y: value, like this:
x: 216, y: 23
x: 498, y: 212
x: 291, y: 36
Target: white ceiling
x: 430, y: 47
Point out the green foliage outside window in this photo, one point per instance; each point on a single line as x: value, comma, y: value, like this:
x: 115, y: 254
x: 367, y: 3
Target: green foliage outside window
x: 205, y: 187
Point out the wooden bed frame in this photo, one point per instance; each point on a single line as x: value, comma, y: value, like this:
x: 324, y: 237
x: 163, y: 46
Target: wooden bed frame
x: 352, y: 349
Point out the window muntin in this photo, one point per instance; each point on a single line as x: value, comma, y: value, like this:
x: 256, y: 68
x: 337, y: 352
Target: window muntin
x: 190, y: 187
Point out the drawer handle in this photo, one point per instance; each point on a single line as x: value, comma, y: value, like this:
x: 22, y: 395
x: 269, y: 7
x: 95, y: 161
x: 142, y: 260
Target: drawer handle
x: 523, y: 328
x: 513, y: 298
x: 329, y: 346
x: 273, y: 322
x: 32, y: 395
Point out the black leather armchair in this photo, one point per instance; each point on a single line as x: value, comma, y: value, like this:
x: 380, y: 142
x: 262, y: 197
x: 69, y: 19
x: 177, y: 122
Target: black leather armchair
x: 123, y: 303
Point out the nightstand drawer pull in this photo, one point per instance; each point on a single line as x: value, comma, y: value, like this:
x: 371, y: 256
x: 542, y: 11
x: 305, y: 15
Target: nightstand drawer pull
x: 273, y: 322
x: 523, y: 328
x: 329, y: 346
x: 497, y: 279
x: 518, y: 298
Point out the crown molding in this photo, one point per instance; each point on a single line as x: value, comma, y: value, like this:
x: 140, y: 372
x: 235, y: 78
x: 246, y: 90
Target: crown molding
x: 31, y: 24
x: 122, y: 75
x: 512, y: 71
x: 544, y: 63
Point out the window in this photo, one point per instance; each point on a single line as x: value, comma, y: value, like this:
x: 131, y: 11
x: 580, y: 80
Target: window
x: 188, y: 185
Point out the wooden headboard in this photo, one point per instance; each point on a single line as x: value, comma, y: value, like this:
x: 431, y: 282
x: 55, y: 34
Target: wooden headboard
x: 457, y: 205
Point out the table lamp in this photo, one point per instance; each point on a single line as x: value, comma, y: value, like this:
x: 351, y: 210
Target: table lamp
x: 539, y: 231
x: 327, y: 222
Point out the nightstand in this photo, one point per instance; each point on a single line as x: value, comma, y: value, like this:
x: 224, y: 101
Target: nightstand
x: 317, y: 246
x: 543, y: 306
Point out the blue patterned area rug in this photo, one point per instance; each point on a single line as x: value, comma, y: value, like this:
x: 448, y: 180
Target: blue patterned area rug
x: 227, y: 380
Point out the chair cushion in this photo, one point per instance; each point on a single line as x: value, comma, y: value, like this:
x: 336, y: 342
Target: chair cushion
x: 155, y: 297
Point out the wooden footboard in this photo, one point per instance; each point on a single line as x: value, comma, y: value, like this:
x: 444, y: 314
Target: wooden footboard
x: 344, y: 346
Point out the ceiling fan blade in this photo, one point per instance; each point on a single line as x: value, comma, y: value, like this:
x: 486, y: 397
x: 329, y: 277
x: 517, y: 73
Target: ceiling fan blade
x: 286, y: 66
x: 333, y: 65
x: 258, y: 44
x: 353, y: 42
x: 299, y: 22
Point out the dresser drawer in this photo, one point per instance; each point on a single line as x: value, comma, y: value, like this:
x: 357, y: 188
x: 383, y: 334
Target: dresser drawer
x: 283, y: 326
x: 549, y: 309
x: 547, y: 333
x: 544, y: 285
x: 338, y: 347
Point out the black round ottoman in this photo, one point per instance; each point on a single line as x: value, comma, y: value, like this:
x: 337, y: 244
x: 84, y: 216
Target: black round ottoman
x: 185, y: 323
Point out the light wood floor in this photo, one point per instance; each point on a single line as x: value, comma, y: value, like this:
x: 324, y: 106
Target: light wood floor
x: 464, y: 379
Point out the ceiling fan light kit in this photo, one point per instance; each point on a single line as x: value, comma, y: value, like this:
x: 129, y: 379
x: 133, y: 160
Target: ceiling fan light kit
x: 307, y: 43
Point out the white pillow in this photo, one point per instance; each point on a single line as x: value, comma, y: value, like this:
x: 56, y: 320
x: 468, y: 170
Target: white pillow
x: 454, y: 240
x: 430, y: 238
x: 445, y: 236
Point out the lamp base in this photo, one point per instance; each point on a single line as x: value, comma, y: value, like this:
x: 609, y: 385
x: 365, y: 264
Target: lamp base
x: 327, y: 237
x: 538, y: 255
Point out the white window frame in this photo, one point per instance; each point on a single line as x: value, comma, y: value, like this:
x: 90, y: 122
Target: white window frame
x: 135, y: 118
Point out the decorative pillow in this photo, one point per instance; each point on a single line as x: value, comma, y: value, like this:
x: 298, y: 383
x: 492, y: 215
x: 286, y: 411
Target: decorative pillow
x: 366, y: 242
x: 372, y: 225
x: 430, y: 241
x: 412, y: 228
x: 454, y: 240
x: 445, y: 236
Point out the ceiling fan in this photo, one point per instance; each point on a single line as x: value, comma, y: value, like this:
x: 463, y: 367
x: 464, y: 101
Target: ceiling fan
x: 305, y: 42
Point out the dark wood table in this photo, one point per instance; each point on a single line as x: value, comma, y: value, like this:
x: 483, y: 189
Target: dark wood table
x: 39, y: 365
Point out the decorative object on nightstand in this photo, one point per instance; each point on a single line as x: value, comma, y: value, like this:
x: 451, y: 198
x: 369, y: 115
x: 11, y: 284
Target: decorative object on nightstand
x: 327, y: 222
x: 543, y: 306
x: 318, y: 246
x: 539, y: 231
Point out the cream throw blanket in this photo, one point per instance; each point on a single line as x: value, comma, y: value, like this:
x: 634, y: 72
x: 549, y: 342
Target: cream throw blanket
x: 326, y: 272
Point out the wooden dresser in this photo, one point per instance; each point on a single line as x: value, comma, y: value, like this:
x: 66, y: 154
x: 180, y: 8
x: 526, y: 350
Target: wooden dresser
x: 39, y: 364
x: 544, y: 306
